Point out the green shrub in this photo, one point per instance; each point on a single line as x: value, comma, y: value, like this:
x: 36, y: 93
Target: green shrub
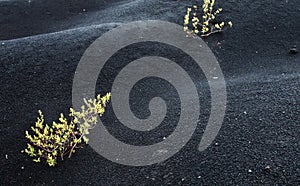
x: 200, y: 21
x: 62, y: 138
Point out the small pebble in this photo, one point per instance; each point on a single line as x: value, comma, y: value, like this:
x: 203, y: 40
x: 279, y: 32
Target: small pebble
x: 249, y: 170
x: 293, y: 50
x: 6, y: 156
x: 22, y: 168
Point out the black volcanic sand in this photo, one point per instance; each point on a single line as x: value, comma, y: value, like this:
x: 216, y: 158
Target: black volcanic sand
x: 262, y: 123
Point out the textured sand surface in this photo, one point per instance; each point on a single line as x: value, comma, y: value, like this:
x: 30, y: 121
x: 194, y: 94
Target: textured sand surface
x: 42, y: 42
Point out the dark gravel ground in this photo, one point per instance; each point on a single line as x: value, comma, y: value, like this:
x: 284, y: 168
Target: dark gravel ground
x: 262, y: 123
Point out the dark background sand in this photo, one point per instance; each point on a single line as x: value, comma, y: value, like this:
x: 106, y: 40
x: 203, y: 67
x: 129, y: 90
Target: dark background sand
x: 261, y: 126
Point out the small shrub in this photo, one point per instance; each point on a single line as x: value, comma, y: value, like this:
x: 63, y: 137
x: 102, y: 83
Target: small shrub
x: 62, y: 138
x: 201, y: 20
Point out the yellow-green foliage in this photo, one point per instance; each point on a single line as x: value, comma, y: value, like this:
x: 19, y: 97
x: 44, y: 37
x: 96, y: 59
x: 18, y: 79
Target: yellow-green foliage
x: 200, y: 21
x: 61, y: 138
